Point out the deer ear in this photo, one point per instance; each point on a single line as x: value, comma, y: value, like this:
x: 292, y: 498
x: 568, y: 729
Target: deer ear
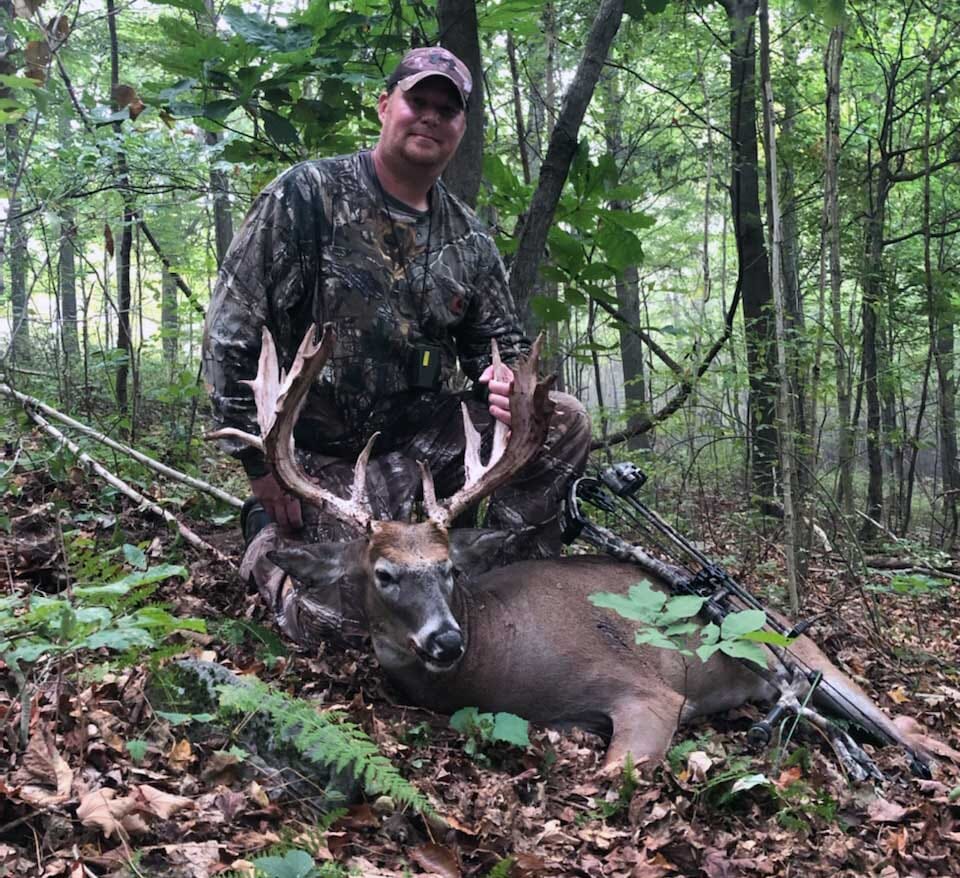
x: 314, y: 565
x: 476, y: 550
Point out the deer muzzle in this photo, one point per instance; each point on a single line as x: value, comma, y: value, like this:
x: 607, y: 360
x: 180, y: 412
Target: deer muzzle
x: 442, y: 649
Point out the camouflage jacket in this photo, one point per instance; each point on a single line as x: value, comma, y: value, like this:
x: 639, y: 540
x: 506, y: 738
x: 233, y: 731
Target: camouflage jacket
x: 324, y: 243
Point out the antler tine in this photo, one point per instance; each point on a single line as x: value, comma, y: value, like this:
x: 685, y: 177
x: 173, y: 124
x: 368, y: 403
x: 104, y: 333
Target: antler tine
x: 530, y: 411
x: 279, y: 399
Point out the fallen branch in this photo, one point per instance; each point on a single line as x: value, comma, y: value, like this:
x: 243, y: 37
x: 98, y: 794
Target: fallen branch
x: 118, y: 483
x: 155, y: 465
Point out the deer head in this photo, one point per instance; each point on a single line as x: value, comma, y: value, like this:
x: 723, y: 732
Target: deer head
x: 404, y: 570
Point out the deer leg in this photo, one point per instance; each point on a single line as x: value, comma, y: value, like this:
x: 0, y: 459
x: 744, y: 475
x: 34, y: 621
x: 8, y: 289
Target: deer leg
x: 643, y: 728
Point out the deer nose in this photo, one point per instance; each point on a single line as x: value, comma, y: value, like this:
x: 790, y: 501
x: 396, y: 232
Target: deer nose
x: 446, y: 646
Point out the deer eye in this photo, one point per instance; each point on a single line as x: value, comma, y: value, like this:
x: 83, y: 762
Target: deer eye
x: 386, y: 578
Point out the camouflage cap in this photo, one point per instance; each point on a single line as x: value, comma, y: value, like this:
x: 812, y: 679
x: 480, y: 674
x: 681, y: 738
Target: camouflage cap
x: 419, y: 64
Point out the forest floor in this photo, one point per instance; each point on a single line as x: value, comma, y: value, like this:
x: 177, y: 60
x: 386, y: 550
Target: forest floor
x: 96, y: 780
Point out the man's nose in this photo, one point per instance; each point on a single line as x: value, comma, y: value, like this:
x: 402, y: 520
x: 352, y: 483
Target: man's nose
x: 430, y: 114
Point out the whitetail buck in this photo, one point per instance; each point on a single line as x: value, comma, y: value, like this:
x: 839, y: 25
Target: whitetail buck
x: 521, y: 638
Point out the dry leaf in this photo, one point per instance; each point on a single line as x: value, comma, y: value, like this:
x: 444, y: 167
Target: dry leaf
x: 898, y: 695
x: 153, y: 801
x: 108, y: 240
x: 59, y: 27
x: 436, y: 858
x: 181, y: 755
x: 200, y: 859
x: 882, y: 811
x: 42, y: 762
x: 102, y: 810
x: 698, y: 764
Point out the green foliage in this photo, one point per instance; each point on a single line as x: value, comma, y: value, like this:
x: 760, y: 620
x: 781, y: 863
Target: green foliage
x: 503, y: 869
x: 668, y: 623
x: 137, y: 749
x: 483, y: 730
x: 620, y: 804
x: 909, y: 585
x: 326, y: 738
x: 268, y: 645
x: 38, y: 629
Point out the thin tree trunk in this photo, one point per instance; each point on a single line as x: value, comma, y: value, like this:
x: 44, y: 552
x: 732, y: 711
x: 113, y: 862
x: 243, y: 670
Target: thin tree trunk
x: 560, y: 152
x: 833, y: 63
x: 785, y: 398
x: 124, y: 341
x: 754, y: 267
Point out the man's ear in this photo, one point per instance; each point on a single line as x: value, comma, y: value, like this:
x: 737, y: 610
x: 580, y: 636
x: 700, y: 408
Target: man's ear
x: 382, y: 104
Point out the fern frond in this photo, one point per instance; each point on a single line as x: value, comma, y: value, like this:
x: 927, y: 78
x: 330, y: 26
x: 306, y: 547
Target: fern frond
x: 325, y: 738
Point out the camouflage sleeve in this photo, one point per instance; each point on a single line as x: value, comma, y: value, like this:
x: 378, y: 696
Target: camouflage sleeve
x: 263, y: 280
x: 492, y: 314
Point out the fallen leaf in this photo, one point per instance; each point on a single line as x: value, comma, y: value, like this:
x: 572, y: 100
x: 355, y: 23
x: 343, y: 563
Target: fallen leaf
x: 102, y: 810
x: 898, y: 695
x: 180, y: 755
x: 436, y: 858
x: 42, y: 762
x: 698, y: 764
x: 882, y: 811
x: 199, y: 859
x: 153, y: 801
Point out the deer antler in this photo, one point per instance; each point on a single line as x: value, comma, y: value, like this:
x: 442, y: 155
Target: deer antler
x: 513, y: 447
x: 279, y: 400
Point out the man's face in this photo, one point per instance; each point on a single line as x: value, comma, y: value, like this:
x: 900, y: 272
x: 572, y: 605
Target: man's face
x: 423, y: 126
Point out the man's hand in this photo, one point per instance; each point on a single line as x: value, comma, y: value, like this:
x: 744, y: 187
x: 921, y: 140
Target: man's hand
x: 500, y: 386
x: 280, y: 506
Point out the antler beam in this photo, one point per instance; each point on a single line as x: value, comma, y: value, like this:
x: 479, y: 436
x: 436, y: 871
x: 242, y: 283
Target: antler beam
x: 279, y: 400
x: 530, y: 411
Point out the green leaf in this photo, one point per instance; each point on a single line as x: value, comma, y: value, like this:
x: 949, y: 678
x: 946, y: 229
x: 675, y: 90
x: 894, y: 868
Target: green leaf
x: 641, y: 604
x: 681, y: 607
x: 465, y: 720
x: 154, y: 574
x: 634, y: 220
x: 738, y: 624
x: 189, y: 5
x: 18, y: 81
x: 705, y: 650
x: 655, y: 637
x: 566, y: 250
x: 278, y: 129
x: 771, y: 637
x: 749, y: 781
x: 259, y: 32
x: 293, y: 864
x: 549, y: 309
x: 137, y: 749
x: 180, y: 719
x: 511, y: 729
x: 742, y: 649
x: 621, y: 246
x: 219, y: 110
x: 135, y: 556
x: 117, y: 639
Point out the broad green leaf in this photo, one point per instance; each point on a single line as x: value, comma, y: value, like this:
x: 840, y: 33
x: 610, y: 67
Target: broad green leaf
x: 549, y: 310
x: 629, y: 219
x: 152, y: 575
x: 464, y: 720
x: 30, y: 651
x: 621, y: 246
x: 597, y: 271
x: 681, y: 629
x: 189, y: 5
x: 771, y: 637
x: 135, y: 556
x: 738, y: 624
x: 705, y: 650
x: 18, y: 81
x: 641, y: 604
x: 655, y: 637
x: 293, y: 864
x: 279, y: 130
x: 510, y: 728
x: 566, y: 250
x: 749, y: 781
x: 219, y: 110
x: 741, y: 649
x: 118, y: 639
x: 261, y: 33
x: 681, y: 607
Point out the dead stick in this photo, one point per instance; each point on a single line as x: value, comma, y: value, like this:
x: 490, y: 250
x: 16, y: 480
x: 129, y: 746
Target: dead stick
x: 122, y: 486
x: 155, y: 465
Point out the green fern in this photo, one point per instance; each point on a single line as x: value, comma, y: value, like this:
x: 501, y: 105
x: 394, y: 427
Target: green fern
x: 325, y: 738
x: 503, y: 869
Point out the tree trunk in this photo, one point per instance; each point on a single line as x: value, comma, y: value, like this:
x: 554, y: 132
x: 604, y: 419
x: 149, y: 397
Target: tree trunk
x: 748, y: 231
x: 124, y: 341
x: 169, y: 318
x: 16, y: 236
x: 458, y: 33
x: 785, y: 398
x: 560, y: 152
x: 833, y: 63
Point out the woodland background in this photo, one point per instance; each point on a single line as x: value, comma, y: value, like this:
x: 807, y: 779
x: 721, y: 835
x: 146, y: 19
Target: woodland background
x: 736, y: 221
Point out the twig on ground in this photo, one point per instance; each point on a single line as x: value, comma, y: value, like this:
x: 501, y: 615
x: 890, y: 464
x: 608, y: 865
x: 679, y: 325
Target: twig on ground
x: 118, y: 483
x: 139, y: 456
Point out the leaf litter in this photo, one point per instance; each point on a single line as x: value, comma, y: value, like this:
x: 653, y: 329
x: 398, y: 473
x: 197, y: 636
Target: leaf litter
x: 75, y: 802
